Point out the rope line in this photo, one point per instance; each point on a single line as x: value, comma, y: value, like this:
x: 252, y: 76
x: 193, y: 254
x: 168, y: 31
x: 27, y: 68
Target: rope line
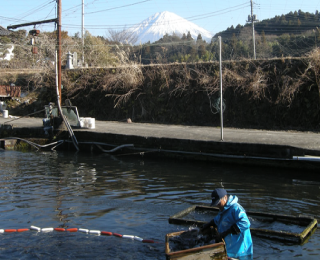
x: 25, y: 116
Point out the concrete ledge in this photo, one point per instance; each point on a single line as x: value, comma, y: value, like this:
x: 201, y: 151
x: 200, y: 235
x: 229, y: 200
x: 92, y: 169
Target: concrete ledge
x: 198, y: 146
x: 186, y: 142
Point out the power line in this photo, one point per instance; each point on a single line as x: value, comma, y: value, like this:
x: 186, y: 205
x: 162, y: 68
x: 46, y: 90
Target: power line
x: 36, y: 9
x: 27, y: 13
x: 105, y: 10
x: 191, y: 18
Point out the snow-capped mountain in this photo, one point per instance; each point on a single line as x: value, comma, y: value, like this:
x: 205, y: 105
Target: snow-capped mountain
x: 156, y: 26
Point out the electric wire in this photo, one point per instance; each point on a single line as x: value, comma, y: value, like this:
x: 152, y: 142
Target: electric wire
x: 109, y: 9
x: 191, y: 18
x: 35, y: 10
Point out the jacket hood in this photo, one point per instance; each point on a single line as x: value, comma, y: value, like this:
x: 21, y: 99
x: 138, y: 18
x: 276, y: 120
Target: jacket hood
x: 231, y: 201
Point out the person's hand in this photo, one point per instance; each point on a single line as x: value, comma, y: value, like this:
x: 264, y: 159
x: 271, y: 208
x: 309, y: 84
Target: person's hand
x: 206, y: 226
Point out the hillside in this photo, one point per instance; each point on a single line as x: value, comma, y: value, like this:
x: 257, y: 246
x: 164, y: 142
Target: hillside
x: 296, y: 22
x: 262, y: 94
x: 292, y: 35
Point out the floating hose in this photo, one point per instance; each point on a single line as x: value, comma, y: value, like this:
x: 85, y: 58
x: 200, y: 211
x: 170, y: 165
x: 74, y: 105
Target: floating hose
x: 114, y: 149
x: 98, y: 144
x: 87, y: 231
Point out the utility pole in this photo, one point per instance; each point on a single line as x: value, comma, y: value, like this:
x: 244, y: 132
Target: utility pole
x: 59, y: 46
x: 251, y: 19
x: 82, y: 32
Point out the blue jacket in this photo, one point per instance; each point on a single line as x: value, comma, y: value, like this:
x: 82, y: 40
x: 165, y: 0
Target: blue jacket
x: 238, y: 246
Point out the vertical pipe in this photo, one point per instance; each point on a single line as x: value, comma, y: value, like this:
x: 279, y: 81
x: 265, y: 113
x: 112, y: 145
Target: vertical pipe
x: 56, y: 73
x: 74, y: 139
x: 221, y: 96
x: 82, y: 33
x: 59, y: 49
x: 253, y: 36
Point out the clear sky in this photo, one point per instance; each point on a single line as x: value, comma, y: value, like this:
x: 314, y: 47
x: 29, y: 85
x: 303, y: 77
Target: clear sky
x: 102, y: 15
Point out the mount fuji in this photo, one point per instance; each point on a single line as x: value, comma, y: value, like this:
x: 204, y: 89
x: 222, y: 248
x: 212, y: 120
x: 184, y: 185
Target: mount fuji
x: 156, y: 26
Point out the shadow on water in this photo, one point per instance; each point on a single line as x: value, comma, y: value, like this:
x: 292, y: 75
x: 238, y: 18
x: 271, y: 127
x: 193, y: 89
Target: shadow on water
x: 135, y: 196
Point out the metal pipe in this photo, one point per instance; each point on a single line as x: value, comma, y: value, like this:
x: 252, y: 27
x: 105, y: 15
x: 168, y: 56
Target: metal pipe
x: 32, y: 23
x: 253, y: 35
x: 82, y: 33
x: 221, y: 96
x: 74, y: 140
x: 308, y: 158
x: 294, y: 158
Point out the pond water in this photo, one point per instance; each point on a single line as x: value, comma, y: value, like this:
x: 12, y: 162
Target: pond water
x: 134, y: 196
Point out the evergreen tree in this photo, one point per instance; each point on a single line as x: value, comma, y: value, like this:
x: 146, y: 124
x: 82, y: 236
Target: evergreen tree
x: 263, y: 37
x: 201, y: 50
x: 189, y: 37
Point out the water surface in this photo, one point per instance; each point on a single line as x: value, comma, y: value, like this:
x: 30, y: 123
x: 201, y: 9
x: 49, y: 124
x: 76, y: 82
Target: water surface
x: 134, y: 196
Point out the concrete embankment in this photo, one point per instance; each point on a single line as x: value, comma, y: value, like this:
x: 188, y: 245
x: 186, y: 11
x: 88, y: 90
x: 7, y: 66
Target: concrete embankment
x: 244, y: 146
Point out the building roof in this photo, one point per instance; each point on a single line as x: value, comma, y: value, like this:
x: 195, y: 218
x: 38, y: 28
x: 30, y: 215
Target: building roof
x: 4, y: 31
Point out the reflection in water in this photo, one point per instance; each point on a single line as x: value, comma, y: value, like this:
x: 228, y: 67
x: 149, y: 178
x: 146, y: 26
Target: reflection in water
x: 134, y: 196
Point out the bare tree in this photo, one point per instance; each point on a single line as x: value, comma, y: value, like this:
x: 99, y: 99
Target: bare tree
x: 123, y: 36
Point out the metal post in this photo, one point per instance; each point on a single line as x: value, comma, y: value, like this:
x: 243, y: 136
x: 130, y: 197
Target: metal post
x: 82, y: 33
x: 59, y: 47
x: 221, y: 96
x: 253, y: 36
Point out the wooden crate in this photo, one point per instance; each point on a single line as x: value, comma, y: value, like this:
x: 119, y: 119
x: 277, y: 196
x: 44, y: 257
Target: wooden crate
x: 215, y: 251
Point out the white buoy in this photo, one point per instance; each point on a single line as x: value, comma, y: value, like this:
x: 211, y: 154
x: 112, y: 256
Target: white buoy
x: 35, y: 228
x: 96, y: 232
x: 128, y: 236
x: 138, y: 238
x: 47, y: 229
x: 83, y: 230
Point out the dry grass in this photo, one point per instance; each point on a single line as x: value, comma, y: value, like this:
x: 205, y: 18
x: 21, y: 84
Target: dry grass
x: 127, y: 78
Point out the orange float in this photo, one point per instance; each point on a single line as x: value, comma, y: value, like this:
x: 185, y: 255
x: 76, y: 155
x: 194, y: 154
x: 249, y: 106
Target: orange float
x: 23, y: 229
x: 147, y: 241
x: 60, y: 229
x: 72, y: 229
x: 106, y: 233
x: 10, y: 230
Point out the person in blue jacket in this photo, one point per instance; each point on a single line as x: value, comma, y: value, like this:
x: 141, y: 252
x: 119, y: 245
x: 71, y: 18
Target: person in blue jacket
x: 232, y: 224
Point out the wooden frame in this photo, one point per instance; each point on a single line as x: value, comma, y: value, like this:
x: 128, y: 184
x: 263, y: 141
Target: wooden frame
x: 309, y: 223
